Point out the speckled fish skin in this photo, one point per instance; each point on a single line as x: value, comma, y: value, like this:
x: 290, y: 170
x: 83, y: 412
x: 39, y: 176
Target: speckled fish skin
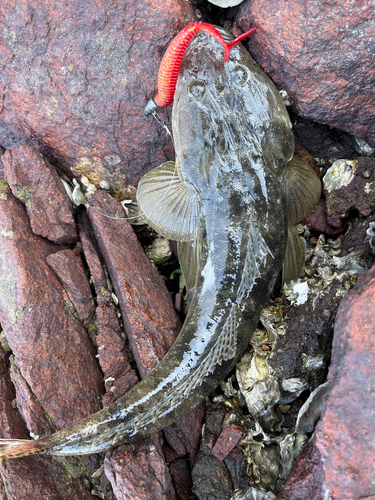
x: 233, y: 141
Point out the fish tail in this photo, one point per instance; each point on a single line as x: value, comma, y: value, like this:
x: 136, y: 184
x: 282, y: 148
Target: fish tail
x: 10, y: 448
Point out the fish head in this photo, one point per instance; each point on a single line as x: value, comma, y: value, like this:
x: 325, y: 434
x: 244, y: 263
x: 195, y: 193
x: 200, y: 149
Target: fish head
x: 224, y: 112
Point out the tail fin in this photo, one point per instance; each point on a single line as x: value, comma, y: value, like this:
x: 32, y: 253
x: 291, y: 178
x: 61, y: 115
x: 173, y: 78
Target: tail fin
x: 10, y: 448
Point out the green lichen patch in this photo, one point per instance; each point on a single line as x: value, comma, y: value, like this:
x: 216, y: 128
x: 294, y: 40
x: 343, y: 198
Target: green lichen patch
x: 7, y: 234
x: 3, y: 184
x: 23, y: 194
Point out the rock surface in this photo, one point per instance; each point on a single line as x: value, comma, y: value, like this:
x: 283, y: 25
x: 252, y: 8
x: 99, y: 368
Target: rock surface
x: 317, y: 221
x: 40, y: 331
x: 34, y: 182
x: 67, y: 265
x: 149, y: 317
x: 306, y: 480
x: 358, y: 194
x: 347, y: 429
x: 215, y: 477
x: 20, y: 478
x: 75, y: 77
x: 139, y: 472
x: 320, y: 53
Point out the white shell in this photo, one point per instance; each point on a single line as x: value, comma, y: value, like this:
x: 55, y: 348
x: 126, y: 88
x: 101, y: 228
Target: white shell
x: 339, y: 175
x: 225, y: 3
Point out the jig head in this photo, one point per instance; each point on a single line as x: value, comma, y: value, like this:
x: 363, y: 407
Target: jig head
x: 171, y: 62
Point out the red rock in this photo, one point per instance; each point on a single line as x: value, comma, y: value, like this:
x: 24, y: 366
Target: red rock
x: 112, y: 355
x: 11, y: 424
x: 113, y: 359
x: 103, y: 295
x: 150, y: 320
x: 229, y: 437
x: 53, y: 351
x: 31, y: 410
x: 24, y: 478
x: 185, y: 435
x: 38, y: 186
x: 67, y: 265
x: 317, y: 220
x: 306, y: 480
x: 211, y: 477
x: 181, y: 475
x: 138, y: 471
x: 318, y: 52
x: 346, y: 431
x: 75, y: 83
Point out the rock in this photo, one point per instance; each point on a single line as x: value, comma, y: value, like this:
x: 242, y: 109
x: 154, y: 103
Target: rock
x: 324, y: 143
x: 216, y: 478
x: 11, y: 424
x: 292, y: 40
x: 211, y: 479
x: 75, y: 78
x: 67, y: 265
x: 351, y: 188
x: 86, y: 235
x: 119, y: 376
x: 42, y: 334
x: 184, y: 436
x: 20, y: 478
x: 346, y: 431
x: 29, y: 407
x: 317, y: 220
x: 139, y: 471
x: 306, y: 480
x: 237, y: 466
x: 229, y: 437
x: 37, y: 185
x: 181, y: 475
x: 150, y: 320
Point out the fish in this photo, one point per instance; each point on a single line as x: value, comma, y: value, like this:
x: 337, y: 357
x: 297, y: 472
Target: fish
x: 231, y: 199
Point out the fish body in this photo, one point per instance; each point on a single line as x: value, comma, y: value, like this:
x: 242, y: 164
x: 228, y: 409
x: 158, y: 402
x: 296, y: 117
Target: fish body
x: 226, y: 200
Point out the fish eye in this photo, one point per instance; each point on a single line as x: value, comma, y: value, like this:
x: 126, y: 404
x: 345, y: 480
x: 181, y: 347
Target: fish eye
x: 239, y: 75
x: 197, y: 89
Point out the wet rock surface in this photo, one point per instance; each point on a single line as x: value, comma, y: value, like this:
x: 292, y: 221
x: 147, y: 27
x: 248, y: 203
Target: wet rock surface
x: 346, y: 430
x: 34, y: 182
x: 317, y: 53
x: 75, y: 78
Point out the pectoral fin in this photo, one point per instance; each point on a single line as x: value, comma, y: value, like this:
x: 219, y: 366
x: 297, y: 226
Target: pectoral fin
x: 294, y: 255
x: 303, y: 189
x: 168, y: 205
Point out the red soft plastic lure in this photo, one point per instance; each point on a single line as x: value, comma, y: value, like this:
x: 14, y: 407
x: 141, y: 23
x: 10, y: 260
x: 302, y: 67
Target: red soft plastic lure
x: 171, y: 62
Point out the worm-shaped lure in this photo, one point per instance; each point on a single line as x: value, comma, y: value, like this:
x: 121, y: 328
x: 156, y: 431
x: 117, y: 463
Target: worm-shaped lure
x: 171, y: 62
